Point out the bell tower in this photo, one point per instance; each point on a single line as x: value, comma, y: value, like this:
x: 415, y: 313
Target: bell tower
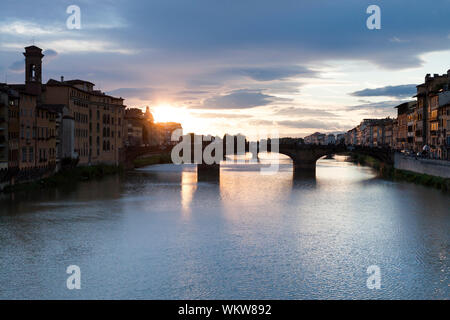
x: 33, y: 69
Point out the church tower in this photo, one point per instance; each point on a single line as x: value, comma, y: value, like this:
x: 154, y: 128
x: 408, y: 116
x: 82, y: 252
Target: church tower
x: 33, y: 69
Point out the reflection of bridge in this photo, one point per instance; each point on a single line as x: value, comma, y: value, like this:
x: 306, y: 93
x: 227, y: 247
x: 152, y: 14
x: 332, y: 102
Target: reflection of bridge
x: 303, y: 156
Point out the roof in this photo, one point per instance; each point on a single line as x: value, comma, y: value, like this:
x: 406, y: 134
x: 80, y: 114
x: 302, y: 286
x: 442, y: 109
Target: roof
x: 33, y: 47
x: 72, y: 83
x: 78, y: 81
x: 21, y: 88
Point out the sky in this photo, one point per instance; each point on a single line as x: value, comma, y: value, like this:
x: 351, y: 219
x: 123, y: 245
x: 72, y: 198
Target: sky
x: 237, y: 66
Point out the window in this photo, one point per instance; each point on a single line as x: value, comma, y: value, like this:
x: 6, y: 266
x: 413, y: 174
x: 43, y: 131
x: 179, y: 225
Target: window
x: 31, y: 154
x: 434, y: 101
x: 434, y: 126
x: 434, y: 114
x: 24, y: 154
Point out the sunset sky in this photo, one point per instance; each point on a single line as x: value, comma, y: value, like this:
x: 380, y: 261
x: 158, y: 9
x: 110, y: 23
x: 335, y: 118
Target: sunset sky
x: 237, y: 66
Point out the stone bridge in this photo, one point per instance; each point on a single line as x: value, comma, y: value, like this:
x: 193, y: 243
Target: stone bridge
x: 129, y: 154
x: 303, y: 156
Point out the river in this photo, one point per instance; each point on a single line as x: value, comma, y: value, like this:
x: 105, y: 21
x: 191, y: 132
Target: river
x: 155, y: 233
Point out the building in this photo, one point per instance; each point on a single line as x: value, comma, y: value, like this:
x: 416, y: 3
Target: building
x: 31, y: 125
x: 428, y: 106
x: 340, y: 138
x: 150, y: 134
x: 405, y: 122
x: 92, y: 124
x: 4, y: 119
x: 134, y: 123
x: 316, y: 138
x: 330, y: 139
x: 443, y: 136
x: 65, y: 120
x: 13, y: 130
x: 166, y: 129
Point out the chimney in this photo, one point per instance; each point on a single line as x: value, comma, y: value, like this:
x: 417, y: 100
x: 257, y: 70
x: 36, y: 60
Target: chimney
x: 62, y: 78
x: 427, y: 77
x: 436, y: 75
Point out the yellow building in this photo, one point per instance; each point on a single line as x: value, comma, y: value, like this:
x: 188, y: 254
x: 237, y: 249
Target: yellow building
x: 97, y: 128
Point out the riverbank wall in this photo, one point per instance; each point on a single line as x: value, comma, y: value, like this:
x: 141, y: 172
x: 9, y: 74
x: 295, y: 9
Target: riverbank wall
x: 437, y: 168
x: 63, y: 177
x: 426, y: 172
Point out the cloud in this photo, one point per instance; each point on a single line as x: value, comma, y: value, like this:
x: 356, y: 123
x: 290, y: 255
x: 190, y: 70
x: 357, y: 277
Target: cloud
x: 297, y: 111
x: 133, y: 93
x: 72, y: 45
x: 238, y: 99
x: 271, y: 73
x: 311, y: 124
x: 407, y: 90
x: 191, y: 92
x: 398, y: 40
x: 211, y: 115
x: 25, y: 28
x: 17, y: 66
x: 50, y: 53
x: 377, y: 106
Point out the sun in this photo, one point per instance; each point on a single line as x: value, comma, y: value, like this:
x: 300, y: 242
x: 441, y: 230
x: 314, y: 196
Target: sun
x: 168, y: 113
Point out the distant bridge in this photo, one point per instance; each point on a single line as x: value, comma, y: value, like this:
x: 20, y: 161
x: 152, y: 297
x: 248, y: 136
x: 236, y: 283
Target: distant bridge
x: 303, y: 156
x: 131, y: 153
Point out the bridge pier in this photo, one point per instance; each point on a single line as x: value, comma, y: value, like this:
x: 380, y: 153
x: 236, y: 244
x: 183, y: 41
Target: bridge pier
x: 208, y: 172
x: 301, y: 174
x: 304, y: 165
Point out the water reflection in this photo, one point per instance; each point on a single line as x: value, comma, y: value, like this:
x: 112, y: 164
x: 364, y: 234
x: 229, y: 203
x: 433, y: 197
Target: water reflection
x: 188, y: 188
x: 158, y: 233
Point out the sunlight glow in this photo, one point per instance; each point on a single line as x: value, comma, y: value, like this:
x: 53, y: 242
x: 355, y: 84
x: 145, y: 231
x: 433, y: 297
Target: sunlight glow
x: 167, y: 113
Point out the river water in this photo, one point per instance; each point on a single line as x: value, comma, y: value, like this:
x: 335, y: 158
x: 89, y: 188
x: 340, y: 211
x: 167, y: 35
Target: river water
x: 155, y: 233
